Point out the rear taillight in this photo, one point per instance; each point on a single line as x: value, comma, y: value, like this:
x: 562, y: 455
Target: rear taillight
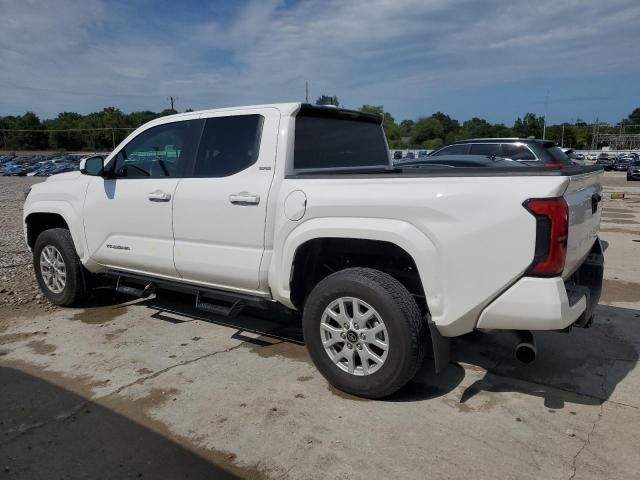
x: 552, y: 228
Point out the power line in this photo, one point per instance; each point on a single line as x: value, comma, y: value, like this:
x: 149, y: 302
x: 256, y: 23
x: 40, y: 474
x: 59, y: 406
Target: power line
x: 47, y: 130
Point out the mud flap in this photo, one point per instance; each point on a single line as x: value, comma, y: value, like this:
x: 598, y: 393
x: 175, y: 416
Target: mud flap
x: 441, y: 346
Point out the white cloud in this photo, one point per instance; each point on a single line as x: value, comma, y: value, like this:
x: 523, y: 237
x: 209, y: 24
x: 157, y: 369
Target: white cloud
x: 84, y: 55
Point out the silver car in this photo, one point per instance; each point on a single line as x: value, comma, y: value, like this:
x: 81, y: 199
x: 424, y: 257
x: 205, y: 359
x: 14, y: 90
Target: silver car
x: 633, y: 172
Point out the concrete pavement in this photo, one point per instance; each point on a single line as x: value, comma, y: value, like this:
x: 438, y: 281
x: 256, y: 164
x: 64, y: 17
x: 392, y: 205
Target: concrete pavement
x: 153, y: 389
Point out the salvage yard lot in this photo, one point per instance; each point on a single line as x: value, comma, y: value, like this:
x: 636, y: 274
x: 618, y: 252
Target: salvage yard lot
x: 153, y: 389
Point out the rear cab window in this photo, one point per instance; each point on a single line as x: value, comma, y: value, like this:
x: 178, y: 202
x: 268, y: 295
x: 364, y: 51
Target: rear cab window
x: 328, y: 138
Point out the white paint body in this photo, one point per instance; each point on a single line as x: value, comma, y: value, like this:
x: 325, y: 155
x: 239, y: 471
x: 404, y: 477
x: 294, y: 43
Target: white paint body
x: 470, y: 237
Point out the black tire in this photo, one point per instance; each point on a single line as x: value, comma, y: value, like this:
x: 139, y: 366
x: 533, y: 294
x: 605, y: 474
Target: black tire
x: 75, y: 289
x: 407, y: 330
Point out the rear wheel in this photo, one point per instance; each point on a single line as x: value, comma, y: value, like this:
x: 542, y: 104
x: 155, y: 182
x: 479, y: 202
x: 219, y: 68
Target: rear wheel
x: 60, y: 274
x: 364, y: 332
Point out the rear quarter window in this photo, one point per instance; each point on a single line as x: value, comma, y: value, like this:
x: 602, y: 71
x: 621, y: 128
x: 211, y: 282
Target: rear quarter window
x: 557, y: 155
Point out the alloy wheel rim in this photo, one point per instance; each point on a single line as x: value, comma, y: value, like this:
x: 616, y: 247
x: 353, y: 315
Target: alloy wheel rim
x: 354, y: 336
x: 53, y: 269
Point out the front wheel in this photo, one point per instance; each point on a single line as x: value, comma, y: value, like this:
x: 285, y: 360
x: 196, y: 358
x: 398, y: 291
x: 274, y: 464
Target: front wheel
x: 58, y: 269
x: 364, y: 332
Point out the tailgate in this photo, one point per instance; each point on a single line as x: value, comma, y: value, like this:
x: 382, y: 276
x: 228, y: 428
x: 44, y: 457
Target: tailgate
x: 583, y: 196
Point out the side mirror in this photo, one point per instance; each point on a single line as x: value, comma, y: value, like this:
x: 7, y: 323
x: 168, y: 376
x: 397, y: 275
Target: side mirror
x: 93, y: 166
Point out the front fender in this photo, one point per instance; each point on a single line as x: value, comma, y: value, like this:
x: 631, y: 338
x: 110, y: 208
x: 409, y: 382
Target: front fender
x: 66, y: 211
x: 404, y: 235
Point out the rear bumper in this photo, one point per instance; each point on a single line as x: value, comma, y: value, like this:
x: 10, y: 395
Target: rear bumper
x: 548, y: 303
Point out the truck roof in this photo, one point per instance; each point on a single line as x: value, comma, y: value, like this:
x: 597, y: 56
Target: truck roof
x: 289, y: 109
x: 505, y: 139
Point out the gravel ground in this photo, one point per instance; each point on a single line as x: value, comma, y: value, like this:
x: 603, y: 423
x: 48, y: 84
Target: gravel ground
x: 18, y: 287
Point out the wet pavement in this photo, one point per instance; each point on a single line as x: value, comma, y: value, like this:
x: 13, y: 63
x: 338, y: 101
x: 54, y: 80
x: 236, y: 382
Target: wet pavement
x: 155, y: 389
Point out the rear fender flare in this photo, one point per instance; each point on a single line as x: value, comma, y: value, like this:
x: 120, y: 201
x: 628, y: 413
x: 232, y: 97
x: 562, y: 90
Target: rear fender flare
x: 423, y: 251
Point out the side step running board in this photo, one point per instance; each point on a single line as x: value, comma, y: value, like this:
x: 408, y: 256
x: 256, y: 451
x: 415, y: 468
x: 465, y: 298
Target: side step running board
x: 135, y: 291
x: 231, y: 310
x: 218, y: 302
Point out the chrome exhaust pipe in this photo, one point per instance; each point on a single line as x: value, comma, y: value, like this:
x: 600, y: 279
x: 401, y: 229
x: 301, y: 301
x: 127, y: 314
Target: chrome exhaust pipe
x: 526, y: 348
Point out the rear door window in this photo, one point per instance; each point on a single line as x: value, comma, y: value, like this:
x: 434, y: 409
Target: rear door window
x: 228, y: 145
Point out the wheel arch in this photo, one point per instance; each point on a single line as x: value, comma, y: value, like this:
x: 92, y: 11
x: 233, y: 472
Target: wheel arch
x: 389, y: 236
x: 55, y: 215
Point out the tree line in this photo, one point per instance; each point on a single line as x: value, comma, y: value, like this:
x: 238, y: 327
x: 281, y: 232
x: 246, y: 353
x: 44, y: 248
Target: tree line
x: 70, y: 131
x: 101, y: 131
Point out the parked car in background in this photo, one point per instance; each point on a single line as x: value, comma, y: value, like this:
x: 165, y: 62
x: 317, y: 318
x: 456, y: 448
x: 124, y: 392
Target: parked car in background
x: 605, y: 161
x: 397, y: 155
x: 422, y: 153
x: 453, y: 161
x: 633, y: 171
x: 621, y: 165
x: 410, y: 155
x: 530, y: 151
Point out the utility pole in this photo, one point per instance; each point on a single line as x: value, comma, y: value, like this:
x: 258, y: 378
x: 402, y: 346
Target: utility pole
x: 544, y: 117
x: 562, y: 140
x: 171, y: 99
x: 306, y: 92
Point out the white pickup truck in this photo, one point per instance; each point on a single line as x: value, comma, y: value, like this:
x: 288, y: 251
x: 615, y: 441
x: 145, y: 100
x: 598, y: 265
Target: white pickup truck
x: 300, y: 206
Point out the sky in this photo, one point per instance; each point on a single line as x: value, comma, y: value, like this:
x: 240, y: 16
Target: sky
x: 492, y: 59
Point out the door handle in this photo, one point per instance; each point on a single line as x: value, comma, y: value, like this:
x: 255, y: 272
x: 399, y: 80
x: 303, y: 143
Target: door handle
x: 159, y: 196
x: 244, y: 198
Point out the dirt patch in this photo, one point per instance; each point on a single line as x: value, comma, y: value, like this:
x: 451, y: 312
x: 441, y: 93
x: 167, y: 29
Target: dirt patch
x: 266, y: 347
x: 619, y: 291
x: 17, y: 337
x: 115, y: 334
x: 41, y: 347
x: 99, y: 315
